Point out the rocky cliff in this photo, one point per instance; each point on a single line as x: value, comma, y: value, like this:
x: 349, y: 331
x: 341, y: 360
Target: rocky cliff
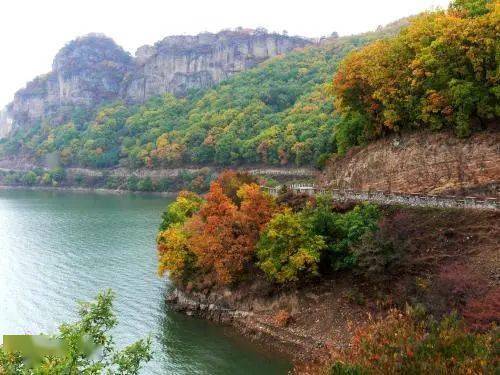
x: 87, y: 71
x: 5, y: 124
x: 423, y: 162
x: 179, y: 63
x: 92, y: 70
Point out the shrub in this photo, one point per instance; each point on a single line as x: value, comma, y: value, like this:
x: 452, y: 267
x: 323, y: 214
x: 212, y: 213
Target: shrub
x: 457, y: 283
x: 282, y: 318
x: 145, y: 184
x: 342, y: 232
x: 113, y: 182
x: 295, y: 201
x: 79, y: 179
x: 374, y: 255
x: 165, y: 184
x: 57, y: 174
x: 288, y: 248
x: 408, y: 343
x: 132, y: 183
x: 349, y: 228
x: 29, y: 178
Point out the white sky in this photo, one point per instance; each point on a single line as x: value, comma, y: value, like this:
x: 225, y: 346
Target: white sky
x: 32, y: 31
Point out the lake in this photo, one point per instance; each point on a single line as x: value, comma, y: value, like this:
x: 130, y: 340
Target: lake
x: 57, y: 248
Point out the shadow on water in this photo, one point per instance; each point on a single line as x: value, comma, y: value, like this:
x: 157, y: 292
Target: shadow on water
x: 202, y: 347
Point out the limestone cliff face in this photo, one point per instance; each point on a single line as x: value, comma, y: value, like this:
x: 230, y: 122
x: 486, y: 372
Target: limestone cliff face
x: 86, y: 72
x: 179, y: 63
x: 93, y: 70
x: 5, y: 124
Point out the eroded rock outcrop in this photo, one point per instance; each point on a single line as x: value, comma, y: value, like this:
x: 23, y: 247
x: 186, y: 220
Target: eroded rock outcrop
x: 179, y: 63
x: 423, y: 162
x: 86, y: 72
x: 93, y: 70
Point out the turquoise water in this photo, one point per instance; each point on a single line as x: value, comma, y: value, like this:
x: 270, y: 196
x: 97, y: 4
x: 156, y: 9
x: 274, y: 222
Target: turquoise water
x: 58, y: 248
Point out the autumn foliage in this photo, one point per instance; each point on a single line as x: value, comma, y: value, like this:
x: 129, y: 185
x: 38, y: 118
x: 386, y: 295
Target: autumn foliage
x: 217, y: 240
x: 224, y: 235
x: 440, y: 72
x: 412, y: 343
x: 237, y: 230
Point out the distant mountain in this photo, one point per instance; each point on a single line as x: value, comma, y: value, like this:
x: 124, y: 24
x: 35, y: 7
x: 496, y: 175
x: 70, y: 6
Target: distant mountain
x: 93, y: 70
x: 107, y: 109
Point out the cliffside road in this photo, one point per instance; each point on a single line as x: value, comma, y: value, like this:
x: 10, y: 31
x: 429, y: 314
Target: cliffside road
x: 394, y: 198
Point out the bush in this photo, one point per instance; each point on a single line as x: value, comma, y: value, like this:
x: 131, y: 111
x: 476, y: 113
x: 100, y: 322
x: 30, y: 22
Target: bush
x: 29, y: 178
x: 145, y: 184
x: 113, y: 182
x: 282, y: 318
x: 483, y: 312
x: 410, y: 343
x: 288, y: 248
x: 341, y: 231
x: 57, y: 174
x: 132, y: 183
x: 295, y: 201
x: 375, y: 254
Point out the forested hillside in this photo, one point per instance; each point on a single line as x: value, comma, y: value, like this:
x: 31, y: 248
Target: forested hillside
x: 278, y: 113
x: 441, y: 72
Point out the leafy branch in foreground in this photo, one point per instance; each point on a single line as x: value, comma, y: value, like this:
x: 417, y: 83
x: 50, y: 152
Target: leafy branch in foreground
x: 86, y: 347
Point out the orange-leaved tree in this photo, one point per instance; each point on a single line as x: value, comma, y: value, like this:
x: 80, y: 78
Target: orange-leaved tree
x: 224, y: 236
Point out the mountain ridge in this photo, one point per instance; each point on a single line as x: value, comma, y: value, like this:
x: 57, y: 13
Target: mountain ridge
x: 92, y: 70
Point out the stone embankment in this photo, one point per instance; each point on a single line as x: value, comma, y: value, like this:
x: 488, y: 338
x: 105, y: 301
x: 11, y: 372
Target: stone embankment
x: 394, y: 198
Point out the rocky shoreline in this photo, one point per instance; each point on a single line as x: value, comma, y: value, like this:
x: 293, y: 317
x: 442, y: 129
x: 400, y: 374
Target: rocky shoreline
x: 254, y: 325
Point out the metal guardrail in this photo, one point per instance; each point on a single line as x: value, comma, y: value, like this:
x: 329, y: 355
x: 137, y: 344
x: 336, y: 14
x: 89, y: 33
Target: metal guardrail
x: 384, y: 197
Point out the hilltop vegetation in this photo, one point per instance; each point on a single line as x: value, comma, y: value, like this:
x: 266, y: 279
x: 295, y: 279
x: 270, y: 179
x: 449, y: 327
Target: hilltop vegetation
x: 440, y: 72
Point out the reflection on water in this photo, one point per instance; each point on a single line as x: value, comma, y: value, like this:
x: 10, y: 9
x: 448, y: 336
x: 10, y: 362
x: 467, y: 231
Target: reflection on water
x: 58, y: 248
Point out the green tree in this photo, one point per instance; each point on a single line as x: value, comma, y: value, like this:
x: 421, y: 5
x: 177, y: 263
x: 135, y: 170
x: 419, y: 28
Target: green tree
x: 471, y: 8
x: 29, y: 178
x: 349, y: 228
x: 288, y: 248
x: 186, y: 204
x: 96, y: 321
x: 145, y: 184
